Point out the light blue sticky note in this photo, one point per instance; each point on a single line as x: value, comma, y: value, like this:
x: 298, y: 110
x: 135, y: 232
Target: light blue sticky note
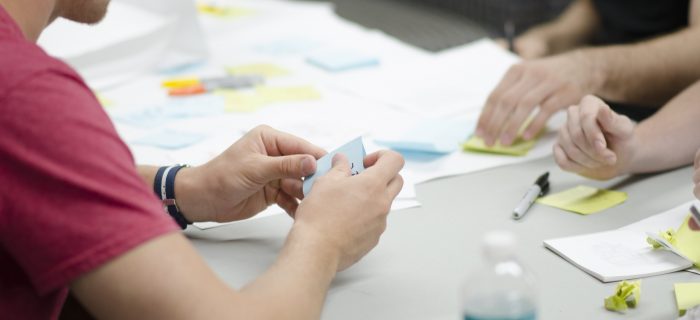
x: 170, y: 139
x: 353, y: 150
x: 341, y: 60
x: 438, y: 136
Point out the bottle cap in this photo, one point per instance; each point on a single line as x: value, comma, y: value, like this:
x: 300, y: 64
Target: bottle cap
x: 499, y: 244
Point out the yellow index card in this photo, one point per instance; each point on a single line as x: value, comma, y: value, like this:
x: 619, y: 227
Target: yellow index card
x: 227, y: 12
x: 252, y: 100
x: 626, y: 295
x: 687, y: 296
x: 260, y: 69
x: 520, y: 147
x: 584, y: 199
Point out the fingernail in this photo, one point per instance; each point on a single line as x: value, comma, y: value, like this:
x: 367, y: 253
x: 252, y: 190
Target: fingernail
x: 480, y: 132
x: 308, y: 166
x: 527, y: 135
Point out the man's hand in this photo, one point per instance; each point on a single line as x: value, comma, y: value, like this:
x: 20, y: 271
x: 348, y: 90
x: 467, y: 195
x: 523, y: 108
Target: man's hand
x: 551, y: 84
x: 595, y: 142
x: 264, y: 167
x: 348, y: 213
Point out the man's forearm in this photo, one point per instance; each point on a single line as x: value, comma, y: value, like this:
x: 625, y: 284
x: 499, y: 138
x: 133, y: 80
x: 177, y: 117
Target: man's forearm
x: 298, y: 281
x: 671, y: 137
x: 647, y: 73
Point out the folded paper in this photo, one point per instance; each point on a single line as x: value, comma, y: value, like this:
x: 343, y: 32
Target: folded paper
x: 626, y: 296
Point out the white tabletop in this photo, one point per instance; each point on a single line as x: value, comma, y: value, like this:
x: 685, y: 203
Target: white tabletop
x: 426, y: 252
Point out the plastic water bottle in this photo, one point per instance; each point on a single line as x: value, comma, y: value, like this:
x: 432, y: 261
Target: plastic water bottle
x: 503, y: 289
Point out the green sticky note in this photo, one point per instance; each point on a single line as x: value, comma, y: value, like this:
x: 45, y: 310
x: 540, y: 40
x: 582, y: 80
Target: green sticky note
x: 584, y: 199
x: 626, y: 296
x: 687, y: 296
x: 519, y: 148
x: 260, y: 69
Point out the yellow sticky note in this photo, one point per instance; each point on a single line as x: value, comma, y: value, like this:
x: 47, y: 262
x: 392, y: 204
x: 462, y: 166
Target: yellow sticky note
x: 252, y: 100
x: 223, y: 11
x: 520, y: 147
x: 584, y: 199
x: 686, y: 241
x: 687, y: 296
x: 626, y: 295
x: 261, y: 69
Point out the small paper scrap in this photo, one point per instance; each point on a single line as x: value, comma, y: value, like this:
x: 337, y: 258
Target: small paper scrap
x: 353, y: 150
x: 626, y: 296
x: 687, y: 296
x: 584, y: 199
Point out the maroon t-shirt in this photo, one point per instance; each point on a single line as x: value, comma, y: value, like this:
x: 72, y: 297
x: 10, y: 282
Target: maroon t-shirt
x: 70, y: 196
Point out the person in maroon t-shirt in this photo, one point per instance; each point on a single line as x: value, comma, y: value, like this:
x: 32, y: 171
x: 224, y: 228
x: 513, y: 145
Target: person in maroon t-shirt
x: 75, y: 213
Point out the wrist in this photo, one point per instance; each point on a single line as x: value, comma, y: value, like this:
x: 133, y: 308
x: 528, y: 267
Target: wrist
x: 308, y: 239
x: 595, y: 71
x: 188, y: 190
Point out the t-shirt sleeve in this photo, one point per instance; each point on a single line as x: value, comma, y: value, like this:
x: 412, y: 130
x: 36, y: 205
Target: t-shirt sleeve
x: 71, y: 198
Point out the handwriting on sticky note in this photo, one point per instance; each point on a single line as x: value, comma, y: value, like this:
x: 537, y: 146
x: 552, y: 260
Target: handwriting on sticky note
x: 520, y: 147
x: 687, y: 296
x: 261, y: 69
x: 584, y: 199
x: 353, y: 150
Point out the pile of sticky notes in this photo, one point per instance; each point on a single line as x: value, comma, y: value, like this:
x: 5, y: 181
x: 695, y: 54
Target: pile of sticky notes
x: 252, y: 100
x: 353, y: 150
x: 626, y: 296
x: 338, y: 60
x: 438, y: 136
x: 687, y: 296
x: 584, y: 199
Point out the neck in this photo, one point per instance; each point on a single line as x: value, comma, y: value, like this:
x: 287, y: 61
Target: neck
x: 32, y: 16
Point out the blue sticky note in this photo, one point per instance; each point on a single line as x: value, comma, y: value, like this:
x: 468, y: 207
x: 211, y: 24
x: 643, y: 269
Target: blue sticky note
x: 174, y: 108
x: 438, y: 136
x: 170, y: 139
x: 353, y: 150
x: 341, y: 60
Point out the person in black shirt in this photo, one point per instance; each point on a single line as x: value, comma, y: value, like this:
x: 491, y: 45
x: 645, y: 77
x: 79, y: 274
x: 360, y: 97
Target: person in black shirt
x: 634, y: 54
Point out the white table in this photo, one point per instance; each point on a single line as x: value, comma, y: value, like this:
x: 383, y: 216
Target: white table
x: 426, y: 252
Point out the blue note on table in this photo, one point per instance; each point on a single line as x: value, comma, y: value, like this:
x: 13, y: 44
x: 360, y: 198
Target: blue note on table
x: 173, y: 108
x: 341, y: 60
x: 438, y: 136
x: 353, y: 150
x: 170, y: 139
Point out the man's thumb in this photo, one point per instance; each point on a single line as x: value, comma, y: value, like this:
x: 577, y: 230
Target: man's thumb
x: 340, y: 165
x: 293, y: 166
